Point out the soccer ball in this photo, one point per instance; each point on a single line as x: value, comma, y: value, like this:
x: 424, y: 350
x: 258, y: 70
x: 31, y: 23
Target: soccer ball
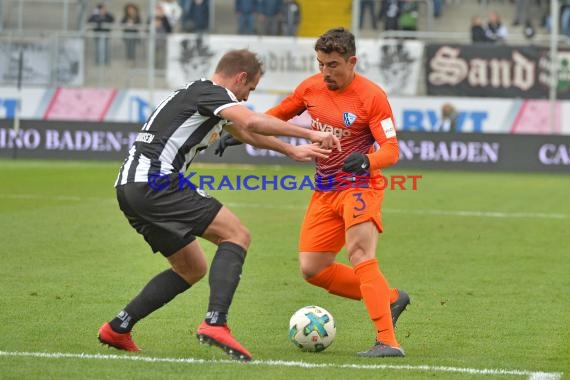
x: 312, y: 328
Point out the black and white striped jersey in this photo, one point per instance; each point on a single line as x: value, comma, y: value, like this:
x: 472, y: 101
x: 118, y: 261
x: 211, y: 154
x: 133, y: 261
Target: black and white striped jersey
x: 184, y: 123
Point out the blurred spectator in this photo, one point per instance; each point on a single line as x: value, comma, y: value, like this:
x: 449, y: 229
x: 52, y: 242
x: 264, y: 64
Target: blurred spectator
x: 390, y: 13
x: 245, y: 12
x: 565, y: 19
x: 82, y: 7
x: 495, y: 30
x: 545, y: 21
x: 408, y: 19
x: 291, y: 17
x: 173, y: 12
x: 448, y: 122
x: 368, y: 7
x: 528, y: 30
x: 162, y: 28
x: 131, y: 21
x: 102, y: 19
x: 196, y: 17
x: 521, y: 16
x: 478, y: 32
x: 437, y: 8
x: 185, y: 7
x: 270, y: 11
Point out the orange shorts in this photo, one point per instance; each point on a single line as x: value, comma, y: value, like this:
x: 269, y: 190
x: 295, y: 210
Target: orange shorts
x: 331, y: 213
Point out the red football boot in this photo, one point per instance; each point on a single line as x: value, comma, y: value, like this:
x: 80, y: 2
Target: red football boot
x: 222, y: 337
x: 114, y: 339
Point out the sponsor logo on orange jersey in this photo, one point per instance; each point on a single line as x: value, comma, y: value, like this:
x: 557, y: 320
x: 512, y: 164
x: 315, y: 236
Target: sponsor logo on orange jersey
x: 338, y: 132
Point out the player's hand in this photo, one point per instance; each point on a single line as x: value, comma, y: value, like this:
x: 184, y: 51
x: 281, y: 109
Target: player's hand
x: 225, y: 141
x: 327, y: 140
x: 356, y: 163
x: 308, y: 152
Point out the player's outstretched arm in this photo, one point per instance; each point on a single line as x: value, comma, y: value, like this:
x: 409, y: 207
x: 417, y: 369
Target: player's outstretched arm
x: 267, y: 125
x: 305, y: 152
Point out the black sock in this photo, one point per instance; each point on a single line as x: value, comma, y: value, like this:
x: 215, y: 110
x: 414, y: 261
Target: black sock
x: 158, y: 292
x: 225, y: 273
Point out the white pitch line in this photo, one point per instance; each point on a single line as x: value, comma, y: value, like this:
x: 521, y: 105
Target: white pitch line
x: 461, y: 213
x: 465, y: 213
x: 63, y: 198
x: 480, y: 214
x: 282, y: 363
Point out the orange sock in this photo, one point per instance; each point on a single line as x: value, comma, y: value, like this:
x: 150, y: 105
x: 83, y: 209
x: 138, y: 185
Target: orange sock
x: 338, y: 279
x: 394, y: 294
x: 376, y: 295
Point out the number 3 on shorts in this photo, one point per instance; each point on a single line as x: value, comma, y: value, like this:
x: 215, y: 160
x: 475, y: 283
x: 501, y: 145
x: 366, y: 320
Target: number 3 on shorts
x: 360, y: 204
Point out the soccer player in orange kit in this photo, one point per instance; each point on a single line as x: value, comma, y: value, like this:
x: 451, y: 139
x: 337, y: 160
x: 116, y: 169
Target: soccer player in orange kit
x: 356, y: 110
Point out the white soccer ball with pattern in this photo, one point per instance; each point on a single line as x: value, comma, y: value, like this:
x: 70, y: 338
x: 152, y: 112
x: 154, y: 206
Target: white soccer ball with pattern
x: 312, y: 328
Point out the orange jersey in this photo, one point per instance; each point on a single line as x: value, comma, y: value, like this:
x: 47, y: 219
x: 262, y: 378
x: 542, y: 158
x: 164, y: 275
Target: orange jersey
x: 359, y: 115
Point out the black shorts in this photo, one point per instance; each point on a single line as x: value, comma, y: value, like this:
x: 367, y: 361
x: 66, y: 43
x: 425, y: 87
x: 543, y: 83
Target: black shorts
x: 169, y: 219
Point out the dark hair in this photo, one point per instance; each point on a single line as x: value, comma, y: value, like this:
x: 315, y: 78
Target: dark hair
x: 337, y: 40
x: 238, y: 61
x: 131, y: 5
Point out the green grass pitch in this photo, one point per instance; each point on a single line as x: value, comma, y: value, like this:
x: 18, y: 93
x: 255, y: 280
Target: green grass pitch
x: 484, y: 256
